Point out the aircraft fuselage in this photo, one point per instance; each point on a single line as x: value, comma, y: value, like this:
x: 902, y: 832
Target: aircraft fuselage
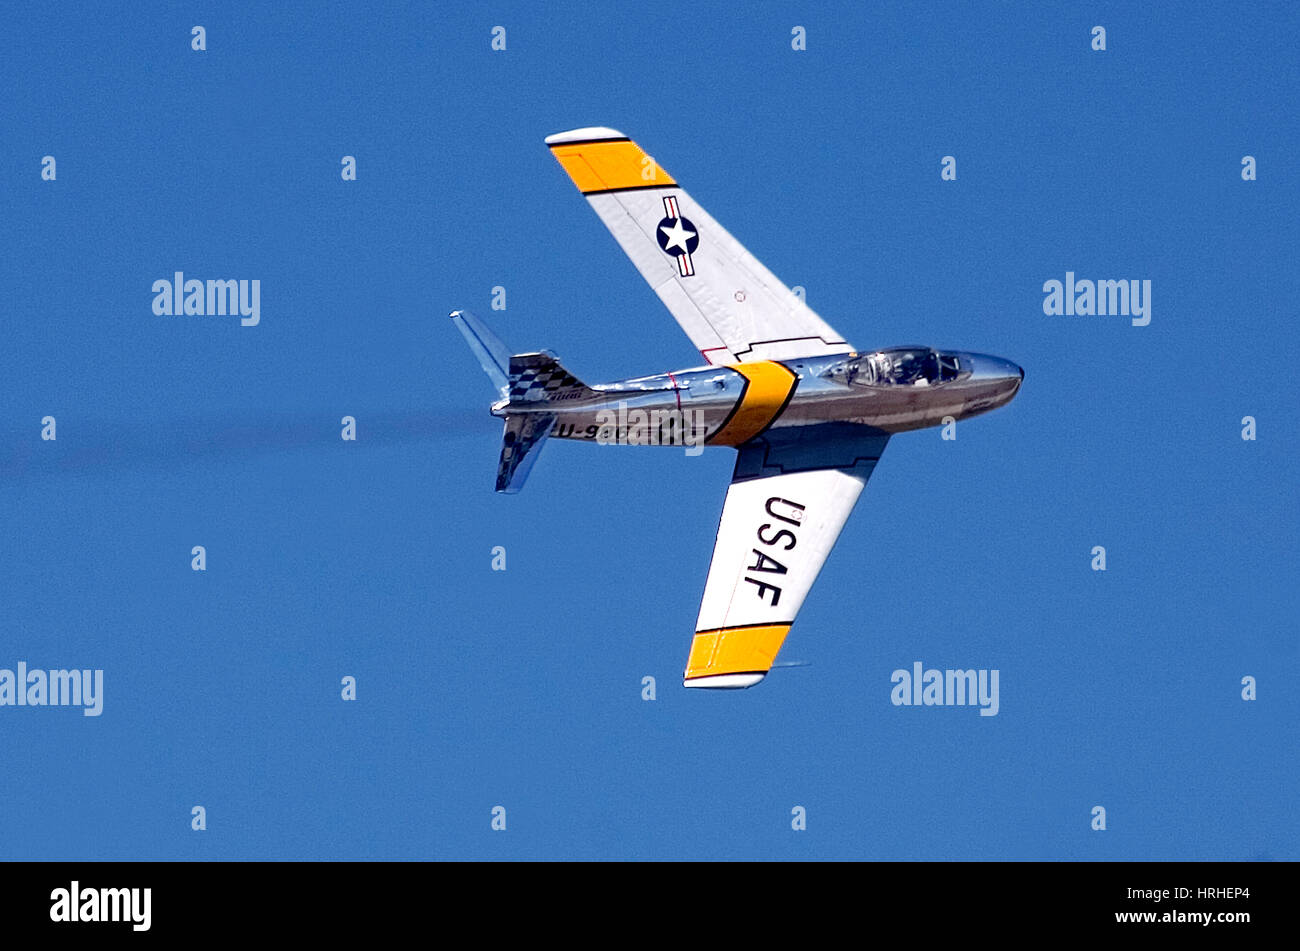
x: 894, y: 390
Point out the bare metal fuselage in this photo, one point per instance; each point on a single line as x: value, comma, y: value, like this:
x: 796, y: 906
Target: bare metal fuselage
x: 707, y: 403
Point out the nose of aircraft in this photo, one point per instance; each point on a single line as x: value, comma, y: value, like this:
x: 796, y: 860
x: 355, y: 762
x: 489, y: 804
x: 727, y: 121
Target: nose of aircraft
x: 996, y: 380
x: 986, y: 369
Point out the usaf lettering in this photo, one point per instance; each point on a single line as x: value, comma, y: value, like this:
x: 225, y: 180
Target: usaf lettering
x: 769, y: 534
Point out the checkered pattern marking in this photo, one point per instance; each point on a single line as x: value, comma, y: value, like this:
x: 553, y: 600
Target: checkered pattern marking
x: 534, y: 384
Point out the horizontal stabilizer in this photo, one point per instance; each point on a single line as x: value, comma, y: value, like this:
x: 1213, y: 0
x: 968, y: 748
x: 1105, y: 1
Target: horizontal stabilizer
x: 520, y: 444
x: 492, y: 354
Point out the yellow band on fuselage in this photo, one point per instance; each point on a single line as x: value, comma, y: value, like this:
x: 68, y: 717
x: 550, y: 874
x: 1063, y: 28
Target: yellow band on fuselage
x: 769, y: 388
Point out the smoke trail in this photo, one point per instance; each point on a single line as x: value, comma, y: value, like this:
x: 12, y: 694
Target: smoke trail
x: 86, y: 447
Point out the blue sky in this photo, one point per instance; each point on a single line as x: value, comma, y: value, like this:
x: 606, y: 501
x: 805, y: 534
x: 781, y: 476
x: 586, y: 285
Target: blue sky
x: 523, y: 688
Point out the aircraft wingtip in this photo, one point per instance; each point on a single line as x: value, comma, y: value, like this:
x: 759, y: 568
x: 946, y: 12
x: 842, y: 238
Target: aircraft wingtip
x: 584, y: 135
x: 725, y: 681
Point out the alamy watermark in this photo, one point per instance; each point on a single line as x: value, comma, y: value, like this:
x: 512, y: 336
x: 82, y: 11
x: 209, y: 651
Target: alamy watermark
x: 945, y: 688
x: 1104, y: 298
x: 75, y: 903
x: 207, y: 299
x: 53, y: 688
x: 654, y: 427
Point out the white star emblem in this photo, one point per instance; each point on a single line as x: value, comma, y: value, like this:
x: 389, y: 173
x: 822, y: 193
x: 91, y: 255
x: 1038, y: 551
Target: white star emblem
x: 677, y: 236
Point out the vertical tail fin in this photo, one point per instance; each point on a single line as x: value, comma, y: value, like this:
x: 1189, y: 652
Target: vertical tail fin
x: 539, y: 378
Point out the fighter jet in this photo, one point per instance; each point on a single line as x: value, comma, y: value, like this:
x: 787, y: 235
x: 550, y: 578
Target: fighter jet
x: 808, y: 414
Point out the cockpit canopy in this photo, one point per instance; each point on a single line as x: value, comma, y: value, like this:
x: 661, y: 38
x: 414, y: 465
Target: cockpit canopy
x: 901, y: 366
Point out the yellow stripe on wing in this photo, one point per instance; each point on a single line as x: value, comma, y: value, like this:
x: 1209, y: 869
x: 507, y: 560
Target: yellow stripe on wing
x: 735, y: 650
x: 609, y: 165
